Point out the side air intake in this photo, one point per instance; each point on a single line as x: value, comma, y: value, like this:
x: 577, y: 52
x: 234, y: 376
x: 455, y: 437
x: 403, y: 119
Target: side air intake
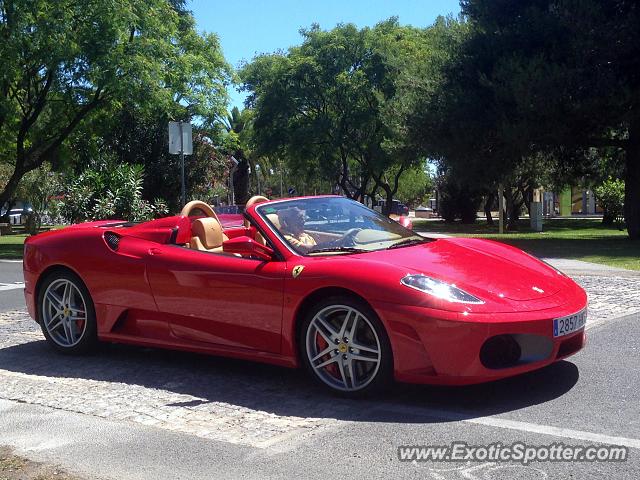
x: 112, y: 240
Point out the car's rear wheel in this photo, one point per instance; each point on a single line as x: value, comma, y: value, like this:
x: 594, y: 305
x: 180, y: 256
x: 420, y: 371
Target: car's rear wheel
x: 66, y: 313
x: 345, y: 346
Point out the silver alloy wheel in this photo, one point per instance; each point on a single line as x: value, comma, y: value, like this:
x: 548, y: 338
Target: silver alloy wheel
x: 64, y: 312
x: 343, y: 348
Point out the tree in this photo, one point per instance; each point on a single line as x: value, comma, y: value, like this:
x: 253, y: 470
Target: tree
x: 237, y: 125
x: 65, y: 60
x: 415, y: 186
x: 332, y: 107
x: 135, y: 135
x: 611, y: 198
x: 460, y: 123
x: 551, y: 78
x: 37, y: 187
x: 457, y: 199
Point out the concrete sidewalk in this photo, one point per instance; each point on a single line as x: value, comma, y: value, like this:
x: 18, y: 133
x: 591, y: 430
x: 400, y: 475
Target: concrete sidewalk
x: 579, y: 267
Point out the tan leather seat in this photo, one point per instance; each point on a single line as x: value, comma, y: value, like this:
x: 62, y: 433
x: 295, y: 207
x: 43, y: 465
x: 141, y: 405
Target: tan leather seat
x: 273, y: 218
x: 207, y: 235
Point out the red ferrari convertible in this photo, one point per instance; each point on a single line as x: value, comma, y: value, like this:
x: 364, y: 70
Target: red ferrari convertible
x: 323, y: 282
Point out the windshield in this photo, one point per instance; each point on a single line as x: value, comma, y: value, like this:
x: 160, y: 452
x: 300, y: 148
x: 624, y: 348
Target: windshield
x: 334, y: 225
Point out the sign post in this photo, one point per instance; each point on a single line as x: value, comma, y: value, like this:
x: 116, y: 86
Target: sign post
x: 535, y: 210
x: 181, y: 142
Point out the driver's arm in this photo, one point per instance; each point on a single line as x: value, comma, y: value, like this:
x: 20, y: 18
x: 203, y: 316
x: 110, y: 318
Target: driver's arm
x: 305, y: 243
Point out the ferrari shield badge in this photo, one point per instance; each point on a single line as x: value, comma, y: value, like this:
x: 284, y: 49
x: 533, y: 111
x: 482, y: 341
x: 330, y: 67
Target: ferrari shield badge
x: 297, y: 270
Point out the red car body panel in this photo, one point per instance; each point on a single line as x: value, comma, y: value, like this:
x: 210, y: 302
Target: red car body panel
x: 153, y: 291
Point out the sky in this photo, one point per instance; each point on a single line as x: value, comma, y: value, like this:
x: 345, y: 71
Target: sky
x: 250, y: 27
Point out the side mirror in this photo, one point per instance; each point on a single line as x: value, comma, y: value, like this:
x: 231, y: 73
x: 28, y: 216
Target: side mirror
x: 406, y: 222
x: 247, y: 247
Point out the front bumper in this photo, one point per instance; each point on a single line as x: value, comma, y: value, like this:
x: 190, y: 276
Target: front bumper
x: 440, y: 347
x: 30, y: 280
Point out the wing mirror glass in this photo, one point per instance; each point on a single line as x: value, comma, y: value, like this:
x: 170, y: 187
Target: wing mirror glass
x: 247, y: 247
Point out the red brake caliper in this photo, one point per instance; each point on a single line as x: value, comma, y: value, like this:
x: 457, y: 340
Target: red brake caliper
x: 322, y: 344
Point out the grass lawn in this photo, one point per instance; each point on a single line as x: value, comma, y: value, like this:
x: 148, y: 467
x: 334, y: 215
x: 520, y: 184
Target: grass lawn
x: 577, y: 238
x: 11, y: 246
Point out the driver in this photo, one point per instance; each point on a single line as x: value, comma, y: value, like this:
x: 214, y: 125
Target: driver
x: 292, y: 227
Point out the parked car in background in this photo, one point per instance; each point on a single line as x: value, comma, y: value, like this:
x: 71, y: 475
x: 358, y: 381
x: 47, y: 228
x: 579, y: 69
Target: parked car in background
x: 18, y: 216
x: 425, y: 212
x: 397, y: 207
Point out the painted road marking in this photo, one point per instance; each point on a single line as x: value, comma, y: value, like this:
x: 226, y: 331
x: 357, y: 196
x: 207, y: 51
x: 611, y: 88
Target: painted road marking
x: 555, y: 431
x: 486, y: 469
x: 11, y: 286
x: 499, y: 422
x: 602, y: 320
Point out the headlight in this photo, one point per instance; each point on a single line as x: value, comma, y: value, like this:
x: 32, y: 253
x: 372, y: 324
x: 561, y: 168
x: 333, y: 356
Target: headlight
x: 439, y: 289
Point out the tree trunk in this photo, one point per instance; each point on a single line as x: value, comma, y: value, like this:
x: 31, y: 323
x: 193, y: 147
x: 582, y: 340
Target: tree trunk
x: 607, y: 218
x: 513, y: 208
x: 488, y: 203
x: 389, y: 200
x: 632, y: 182
x: 11, y: 186
x: 527, y: 197
x: 373, y: 193
x: 241, y: 182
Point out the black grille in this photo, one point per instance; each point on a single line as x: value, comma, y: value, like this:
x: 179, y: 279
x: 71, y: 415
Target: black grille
x: 112, y: 240
x: 501, y: 351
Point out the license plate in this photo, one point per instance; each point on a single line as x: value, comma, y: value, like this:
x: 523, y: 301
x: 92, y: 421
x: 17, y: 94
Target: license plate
x: 569, y: 324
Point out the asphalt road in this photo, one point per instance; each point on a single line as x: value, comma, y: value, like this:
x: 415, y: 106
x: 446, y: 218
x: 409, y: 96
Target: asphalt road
x: 590, y: 399
x: 11, y: 273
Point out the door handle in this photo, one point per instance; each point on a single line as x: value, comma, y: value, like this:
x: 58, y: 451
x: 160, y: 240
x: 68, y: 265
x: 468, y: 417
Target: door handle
x: 155, y: 251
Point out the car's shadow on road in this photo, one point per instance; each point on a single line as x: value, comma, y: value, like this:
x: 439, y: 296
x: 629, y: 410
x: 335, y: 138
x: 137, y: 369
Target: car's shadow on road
x: 284, y: 391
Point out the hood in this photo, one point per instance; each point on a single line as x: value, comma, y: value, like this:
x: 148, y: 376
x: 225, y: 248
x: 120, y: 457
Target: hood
x: 488, y: 270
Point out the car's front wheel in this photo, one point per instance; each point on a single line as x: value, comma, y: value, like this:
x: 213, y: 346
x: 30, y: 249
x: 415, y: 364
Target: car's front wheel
x: 66, y: 313
x: 345, y: 346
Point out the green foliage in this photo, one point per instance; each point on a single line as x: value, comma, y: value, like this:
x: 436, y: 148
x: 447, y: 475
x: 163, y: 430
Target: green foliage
x: 415, y: 187
x: 611, y: 198
x: 532, y: 79
x: 334, y: 106
x: 142, y: 139
x: 236, y: 141
x: 37, y: 187
x: 63, y: 61
x: 109, y: 191
x: 457, y: 200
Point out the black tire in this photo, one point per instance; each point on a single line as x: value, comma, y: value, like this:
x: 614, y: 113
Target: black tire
x: 383, y: 376
x: 88, y: 338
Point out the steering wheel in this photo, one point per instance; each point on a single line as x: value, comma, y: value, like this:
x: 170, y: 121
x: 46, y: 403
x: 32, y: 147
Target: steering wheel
x: 193, y: 205
x: 252, y: 201
x: 349, y: 237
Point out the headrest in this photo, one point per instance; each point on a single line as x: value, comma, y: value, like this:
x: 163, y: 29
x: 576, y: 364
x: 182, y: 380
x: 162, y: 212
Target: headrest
x: 208, y: 230
x: 273, y: 218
